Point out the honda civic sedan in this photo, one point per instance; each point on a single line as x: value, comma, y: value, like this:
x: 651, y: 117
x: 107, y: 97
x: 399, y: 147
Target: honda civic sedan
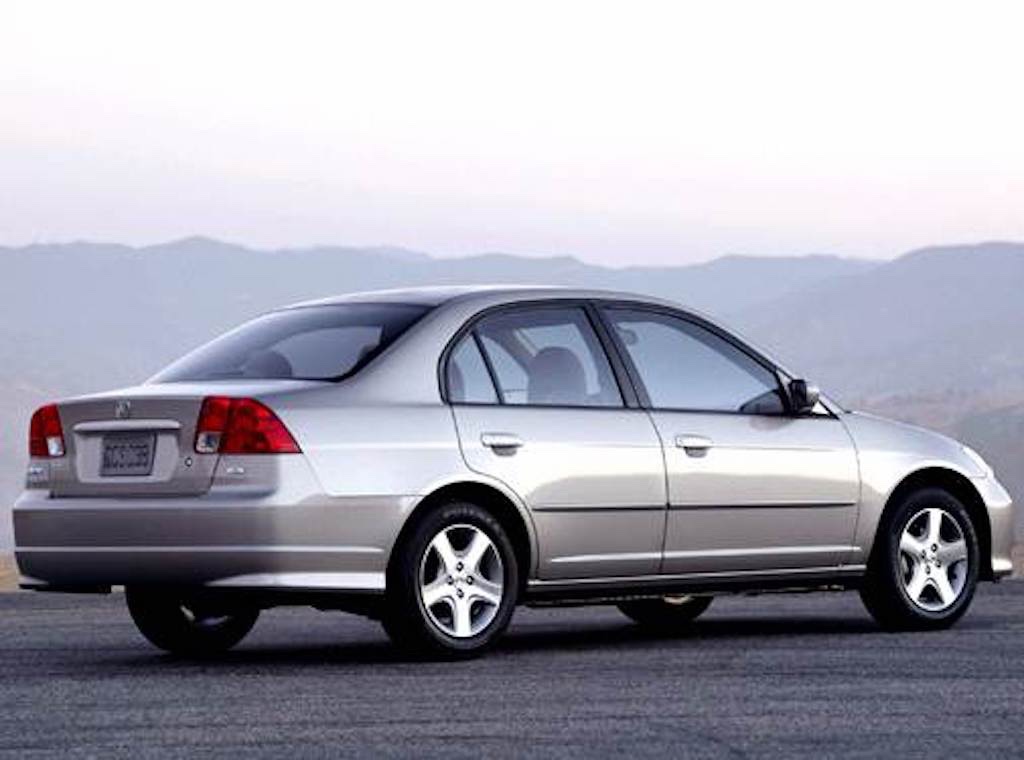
x: 432, y: 458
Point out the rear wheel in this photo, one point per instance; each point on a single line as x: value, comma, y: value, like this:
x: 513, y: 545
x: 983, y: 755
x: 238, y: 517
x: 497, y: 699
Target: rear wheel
x: 187, y: 625
x: 452, y: 584
x: 666, y: 613
x: 924, y: 569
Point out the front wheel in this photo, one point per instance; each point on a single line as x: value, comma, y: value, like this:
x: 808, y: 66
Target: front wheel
x: 666, y: 613
x: 186, y: 625
x: 924, y: 567
x: 452, y: 584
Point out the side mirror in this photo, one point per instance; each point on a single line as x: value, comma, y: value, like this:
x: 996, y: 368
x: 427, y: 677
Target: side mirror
x: 803, y: 397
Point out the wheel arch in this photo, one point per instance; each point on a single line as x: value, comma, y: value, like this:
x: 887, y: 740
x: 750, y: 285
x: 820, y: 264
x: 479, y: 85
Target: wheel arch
x: 957, y: 485
x: 506, y: 510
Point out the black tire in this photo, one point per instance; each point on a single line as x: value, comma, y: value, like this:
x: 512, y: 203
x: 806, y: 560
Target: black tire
x: 405, y: 617
x: 188, y: 626
x: 884, y: 592
x: 666, y: 613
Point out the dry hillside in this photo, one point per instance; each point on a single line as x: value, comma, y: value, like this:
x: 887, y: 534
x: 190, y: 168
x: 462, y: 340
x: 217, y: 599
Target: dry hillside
x: 8, y: 573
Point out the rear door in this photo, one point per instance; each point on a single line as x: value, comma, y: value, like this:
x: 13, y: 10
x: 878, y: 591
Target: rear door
x: 751, y: 486
x: 539, y: 407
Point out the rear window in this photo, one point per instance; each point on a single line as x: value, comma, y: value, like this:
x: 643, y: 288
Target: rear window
x: 306, y: 343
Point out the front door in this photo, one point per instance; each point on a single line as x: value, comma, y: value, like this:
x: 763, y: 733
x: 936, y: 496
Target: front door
x: 538, y: 406
x: 750, y: 486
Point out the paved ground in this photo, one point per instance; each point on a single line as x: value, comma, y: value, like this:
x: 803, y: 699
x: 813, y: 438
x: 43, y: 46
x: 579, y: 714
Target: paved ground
x: 760, y: 677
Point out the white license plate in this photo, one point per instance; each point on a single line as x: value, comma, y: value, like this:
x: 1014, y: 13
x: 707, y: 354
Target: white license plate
x: 128, y: 454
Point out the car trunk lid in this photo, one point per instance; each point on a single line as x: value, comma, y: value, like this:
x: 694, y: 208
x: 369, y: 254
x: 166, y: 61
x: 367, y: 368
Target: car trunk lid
x: 141, y: 441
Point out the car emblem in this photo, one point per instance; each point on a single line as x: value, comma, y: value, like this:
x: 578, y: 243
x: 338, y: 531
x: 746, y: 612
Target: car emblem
x: 123, y: 410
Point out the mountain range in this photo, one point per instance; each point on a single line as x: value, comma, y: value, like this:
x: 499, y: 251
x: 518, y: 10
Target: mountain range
x: 933, y: 337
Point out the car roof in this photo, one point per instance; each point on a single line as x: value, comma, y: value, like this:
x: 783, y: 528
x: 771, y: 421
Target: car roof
x: 442, y: 294
x: 464, y: 300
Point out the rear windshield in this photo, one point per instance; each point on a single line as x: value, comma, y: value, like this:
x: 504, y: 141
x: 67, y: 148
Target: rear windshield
x: 305, y: 343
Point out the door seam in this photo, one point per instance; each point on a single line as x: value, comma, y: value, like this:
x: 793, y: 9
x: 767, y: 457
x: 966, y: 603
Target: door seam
x: 665, y: 482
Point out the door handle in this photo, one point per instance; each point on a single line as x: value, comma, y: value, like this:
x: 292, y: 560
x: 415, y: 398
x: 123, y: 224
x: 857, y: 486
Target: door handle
x: 507, y: 442
x: 693, y: 443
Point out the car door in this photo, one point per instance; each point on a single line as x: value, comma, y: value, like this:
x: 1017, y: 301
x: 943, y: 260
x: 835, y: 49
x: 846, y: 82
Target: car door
x: 750, y: 486
x: 539, y: 405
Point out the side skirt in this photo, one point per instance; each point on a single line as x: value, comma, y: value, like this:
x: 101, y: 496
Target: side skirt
x: 610, y: 590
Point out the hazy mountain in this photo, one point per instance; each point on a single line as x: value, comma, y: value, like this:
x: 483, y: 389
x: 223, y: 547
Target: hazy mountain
x: 82, y: 316
x: 933, y: 320
x: 932, y: 337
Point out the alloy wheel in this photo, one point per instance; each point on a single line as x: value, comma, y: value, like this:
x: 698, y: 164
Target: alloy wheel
x: 461, y: 581
x: 933, y: 559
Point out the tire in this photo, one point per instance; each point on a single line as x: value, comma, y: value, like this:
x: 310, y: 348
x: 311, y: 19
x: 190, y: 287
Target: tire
x: 187, y: 626
x: 903, y: 588
x: 667, y: 613
x: 452, y: 583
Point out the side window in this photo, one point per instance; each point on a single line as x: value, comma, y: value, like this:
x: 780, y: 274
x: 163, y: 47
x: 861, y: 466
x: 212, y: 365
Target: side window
x: 685, y: 366
x: 511, y: 375
x: 468, y: 379
x: 548, y: 357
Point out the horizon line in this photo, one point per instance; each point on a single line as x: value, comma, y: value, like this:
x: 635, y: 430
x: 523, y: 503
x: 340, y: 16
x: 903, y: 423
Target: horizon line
x: 384, y: 248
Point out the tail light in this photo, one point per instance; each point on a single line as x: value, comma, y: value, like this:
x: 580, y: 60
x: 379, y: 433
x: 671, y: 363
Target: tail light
x: 241, y: 426
x: 45, y: 434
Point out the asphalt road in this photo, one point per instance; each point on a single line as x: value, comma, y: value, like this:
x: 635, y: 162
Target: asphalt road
x: 761, y: 677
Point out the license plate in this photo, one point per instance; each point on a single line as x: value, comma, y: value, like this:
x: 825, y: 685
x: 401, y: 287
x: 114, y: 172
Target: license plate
x: 128, y: 454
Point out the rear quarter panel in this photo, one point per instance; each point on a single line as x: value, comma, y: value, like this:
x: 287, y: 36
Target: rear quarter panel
x: 364, y: 451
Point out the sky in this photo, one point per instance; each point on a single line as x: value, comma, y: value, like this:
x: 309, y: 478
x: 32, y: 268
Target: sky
x: 620, y: 133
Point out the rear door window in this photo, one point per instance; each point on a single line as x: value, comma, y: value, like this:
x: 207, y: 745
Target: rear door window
x: 469, y: 382
x: 547, y: 356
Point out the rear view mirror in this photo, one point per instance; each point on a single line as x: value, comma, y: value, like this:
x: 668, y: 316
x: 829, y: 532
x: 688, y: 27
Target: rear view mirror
x: 802, y: 396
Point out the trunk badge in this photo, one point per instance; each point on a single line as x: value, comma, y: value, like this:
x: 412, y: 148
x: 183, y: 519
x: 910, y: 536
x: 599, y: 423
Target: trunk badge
x: 123, y: 409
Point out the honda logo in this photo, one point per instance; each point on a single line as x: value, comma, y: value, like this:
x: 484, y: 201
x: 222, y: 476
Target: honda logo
x: 123, y: 410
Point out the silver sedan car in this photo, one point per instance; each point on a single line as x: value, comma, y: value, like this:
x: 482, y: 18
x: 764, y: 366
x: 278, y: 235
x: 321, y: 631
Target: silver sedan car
x: 434, y: 457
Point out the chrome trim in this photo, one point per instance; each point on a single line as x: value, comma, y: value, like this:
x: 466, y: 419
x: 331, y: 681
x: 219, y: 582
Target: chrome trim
x: 623, y: 557
x: 114, y: 426
x: 767, y: 551
x: 327, y: 581
x: 696, y: 442
x: 501, y: 440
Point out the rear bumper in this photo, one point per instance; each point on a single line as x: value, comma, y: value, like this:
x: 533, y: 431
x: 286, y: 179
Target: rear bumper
x: 215, y: 541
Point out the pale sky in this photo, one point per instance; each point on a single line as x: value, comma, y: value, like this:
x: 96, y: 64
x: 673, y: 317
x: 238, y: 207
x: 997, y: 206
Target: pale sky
x: 618, y: 133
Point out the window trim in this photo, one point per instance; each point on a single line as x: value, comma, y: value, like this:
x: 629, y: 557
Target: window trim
x: 492, y: 374
x: 602, y: 307
x: 627, y: 392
